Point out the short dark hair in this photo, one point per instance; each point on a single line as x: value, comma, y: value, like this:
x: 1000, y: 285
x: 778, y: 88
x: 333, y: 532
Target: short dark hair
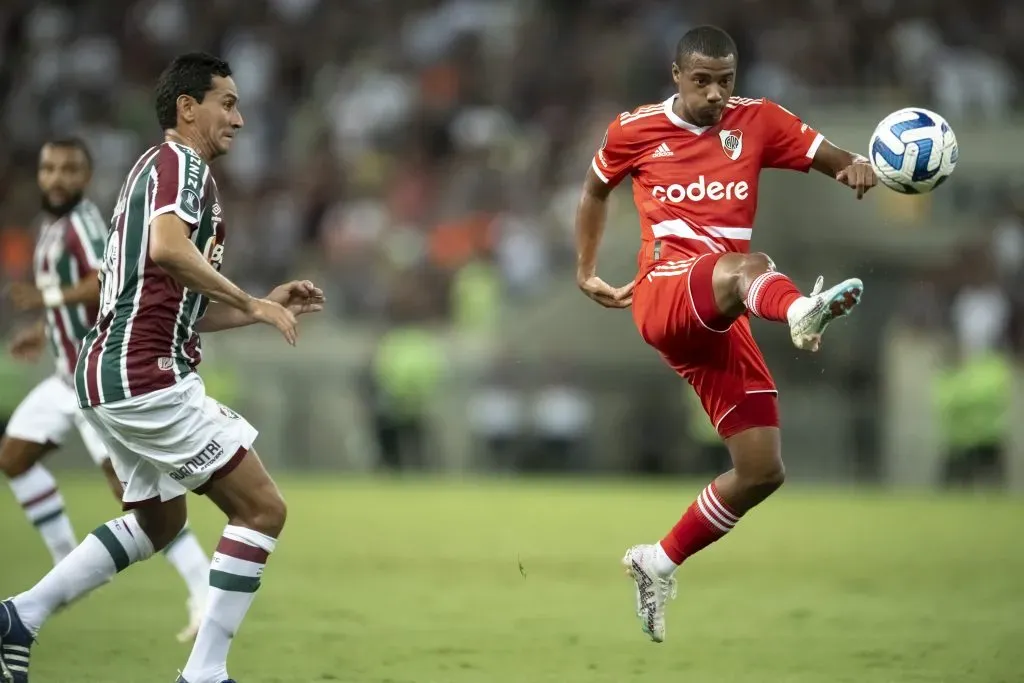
x: 72, y: 143
x: 189, y: 74
x: 709, y: 41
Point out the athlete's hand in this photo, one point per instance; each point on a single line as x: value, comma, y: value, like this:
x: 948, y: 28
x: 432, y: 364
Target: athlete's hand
x: 299, y: 297
x: 273, y: 313
x: 859, y: 175
x: 27, y: 344
x: 604, y: 294
x: 25, y: 297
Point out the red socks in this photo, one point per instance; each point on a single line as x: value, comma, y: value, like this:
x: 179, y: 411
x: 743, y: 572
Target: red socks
x: 704, y: 522
x: 770, y: 296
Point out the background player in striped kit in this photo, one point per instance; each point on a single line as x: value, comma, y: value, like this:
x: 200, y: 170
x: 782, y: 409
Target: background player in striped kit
x: 137, y: 383
x: 66, y: 289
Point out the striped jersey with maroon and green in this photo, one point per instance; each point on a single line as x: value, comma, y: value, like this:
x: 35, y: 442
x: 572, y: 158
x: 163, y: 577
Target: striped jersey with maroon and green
x: 145, y: 338
x: 69, y: 248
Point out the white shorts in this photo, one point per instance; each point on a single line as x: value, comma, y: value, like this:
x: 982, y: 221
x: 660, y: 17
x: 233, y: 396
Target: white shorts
x: 169, y: 441
x: 48, y: 413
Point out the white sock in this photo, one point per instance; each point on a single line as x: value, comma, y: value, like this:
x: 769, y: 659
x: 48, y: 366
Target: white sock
x: 106, y: 551
x: 36, y: 491
x: 188, y: 558
x: 234, y: 578
x: 797, y: 309
x: 663, y: 564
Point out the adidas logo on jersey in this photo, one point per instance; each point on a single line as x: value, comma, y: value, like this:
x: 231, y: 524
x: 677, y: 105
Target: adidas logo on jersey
x: 662, y: 151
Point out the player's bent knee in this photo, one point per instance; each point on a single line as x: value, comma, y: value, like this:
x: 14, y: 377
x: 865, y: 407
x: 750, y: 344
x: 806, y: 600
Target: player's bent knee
x: 162, y: 521
x: 270, y: 516
x: 733, y: 274
x: 17, y: 457
x: 770, y: 478
x: 763, y: 480
x: 753, y: 266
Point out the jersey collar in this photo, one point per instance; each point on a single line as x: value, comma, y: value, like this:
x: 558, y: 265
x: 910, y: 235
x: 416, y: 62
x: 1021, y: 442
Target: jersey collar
x: 685, y: 125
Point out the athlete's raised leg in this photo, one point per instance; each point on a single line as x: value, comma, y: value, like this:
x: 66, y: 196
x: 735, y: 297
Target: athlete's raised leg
x: 749, y: 282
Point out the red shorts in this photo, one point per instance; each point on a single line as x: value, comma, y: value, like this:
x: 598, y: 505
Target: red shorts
x: 674, y: 309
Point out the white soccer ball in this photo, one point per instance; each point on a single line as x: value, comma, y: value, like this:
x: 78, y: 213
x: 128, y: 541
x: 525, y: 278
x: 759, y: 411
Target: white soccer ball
x: 913, y: 150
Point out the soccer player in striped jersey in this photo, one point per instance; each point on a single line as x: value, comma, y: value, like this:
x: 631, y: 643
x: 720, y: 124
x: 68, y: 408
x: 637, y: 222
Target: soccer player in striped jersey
x: 136, y: 381
x: 66, y: 290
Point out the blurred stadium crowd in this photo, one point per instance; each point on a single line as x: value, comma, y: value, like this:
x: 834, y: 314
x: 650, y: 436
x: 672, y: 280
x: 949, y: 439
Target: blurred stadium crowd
x: 391, y: 142
x: 422, y: 158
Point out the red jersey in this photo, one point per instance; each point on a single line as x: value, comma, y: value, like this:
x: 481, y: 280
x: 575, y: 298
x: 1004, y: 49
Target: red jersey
x: 695, y: 188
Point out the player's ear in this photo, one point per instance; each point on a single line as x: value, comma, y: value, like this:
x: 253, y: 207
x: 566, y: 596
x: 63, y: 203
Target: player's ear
x: 186, y: 108
x: 676, y: 73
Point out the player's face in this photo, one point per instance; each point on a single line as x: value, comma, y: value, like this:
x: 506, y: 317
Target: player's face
x: 705, y: 85
x: 63, y: 175
x: 218, y: 118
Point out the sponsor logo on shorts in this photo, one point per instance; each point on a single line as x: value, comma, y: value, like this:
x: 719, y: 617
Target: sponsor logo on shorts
x: 227, y: 412
x: 702, y: 189
x: 209, y: 455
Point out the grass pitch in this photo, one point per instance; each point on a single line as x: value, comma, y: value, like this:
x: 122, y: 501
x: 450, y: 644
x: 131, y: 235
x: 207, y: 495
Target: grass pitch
x: 419, y: 581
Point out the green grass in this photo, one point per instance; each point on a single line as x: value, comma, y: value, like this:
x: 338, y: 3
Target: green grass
x: 419, y: 582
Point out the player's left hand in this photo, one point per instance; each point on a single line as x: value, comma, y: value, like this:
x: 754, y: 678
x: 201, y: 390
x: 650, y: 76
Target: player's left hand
x: 299, y: 297
x: 28, y: 344
x: 25, y: 297
x: 859, y: 175
x: 606, y: 295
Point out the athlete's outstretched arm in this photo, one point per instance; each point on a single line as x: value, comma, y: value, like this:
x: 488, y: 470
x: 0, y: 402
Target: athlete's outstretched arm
x: 172, y: 250
x: 591, y: 215
x: 850, y: 169
x: 299, y: 297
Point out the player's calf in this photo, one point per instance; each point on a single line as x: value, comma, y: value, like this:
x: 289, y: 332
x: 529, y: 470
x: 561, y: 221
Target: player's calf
x: 18, y: 456
x: 757, y: 470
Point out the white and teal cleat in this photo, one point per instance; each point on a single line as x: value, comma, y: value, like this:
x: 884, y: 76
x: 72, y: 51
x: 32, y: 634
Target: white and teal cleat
x: 652, y: 591
x: 810, y: 315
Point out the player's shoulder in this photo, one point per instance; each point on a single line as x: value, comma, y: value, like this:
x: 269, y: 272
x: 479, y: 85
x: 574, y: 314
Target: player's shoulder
x: 174, y: 155
x: 641, y: 121
x: 746, y: 103
x: 756, y: 106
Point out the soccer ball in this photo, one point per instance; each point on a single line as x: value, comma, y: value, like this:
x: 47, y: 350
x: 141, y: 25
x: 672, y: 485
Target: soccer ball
x: 913, y: 150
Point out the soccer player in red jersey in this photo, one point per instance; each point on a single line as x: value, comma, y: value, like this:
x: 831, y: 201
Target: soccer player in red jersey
x: 695, y: 160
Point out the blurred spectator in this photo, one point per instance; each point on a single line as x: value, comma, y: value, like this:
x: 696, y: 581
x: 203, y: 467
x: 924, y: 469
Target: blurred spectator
x: 392, y: 134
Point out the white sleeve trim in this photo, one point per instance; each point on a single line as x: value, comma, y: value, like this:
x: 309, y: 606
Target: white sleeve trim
x: 818, y: 139
x: 188, y: 220
x: 597, y: 171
